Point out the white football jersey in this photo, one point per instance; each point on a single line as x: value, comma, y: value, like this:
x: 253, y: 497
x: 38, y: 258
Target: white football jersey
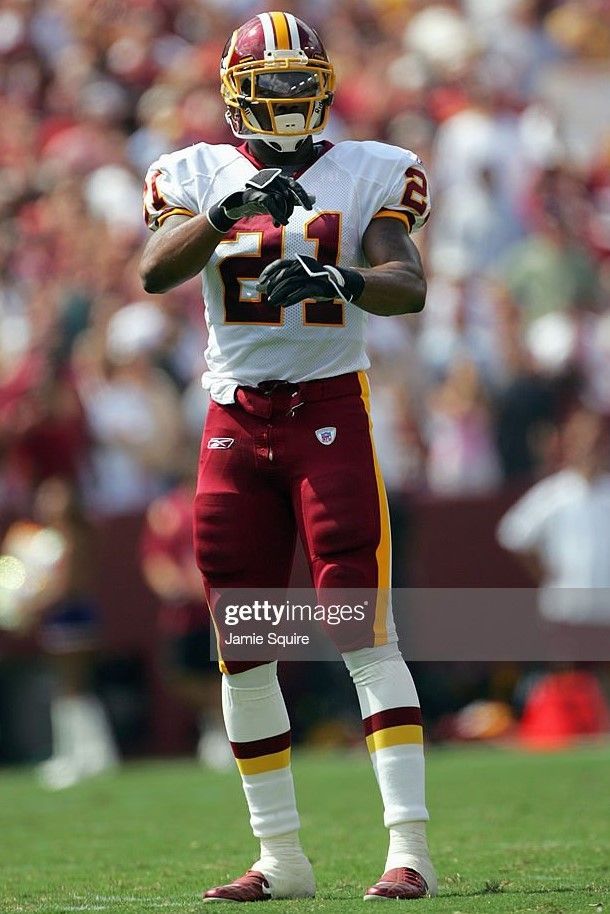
x: 249, y: 340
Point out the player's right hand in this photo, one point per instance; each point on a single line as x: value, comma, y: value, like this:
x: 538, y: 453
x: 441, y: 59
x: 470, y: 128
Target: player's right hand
x: 268, y: 192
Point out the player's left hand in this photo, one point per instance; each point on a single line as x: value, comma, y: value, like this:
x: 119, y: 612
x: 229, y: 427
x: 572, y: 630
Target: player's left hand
x: 287, y: 282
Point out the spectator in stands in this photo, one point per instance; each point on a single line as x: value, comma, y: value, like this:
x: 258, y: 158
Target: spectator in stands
x: 549, y: 271
x: 42, y: 425
x: 461, y: 452
x: 133, y: 414
x: 524, y: 398
x: 561, y: 527
x: 475, y: 88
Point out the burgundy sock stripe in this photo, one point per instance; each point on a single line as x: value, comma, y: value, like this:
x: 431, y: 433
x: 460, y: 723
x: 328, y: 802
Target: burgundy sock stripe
x: 255, y: 747
x: 392, y: 717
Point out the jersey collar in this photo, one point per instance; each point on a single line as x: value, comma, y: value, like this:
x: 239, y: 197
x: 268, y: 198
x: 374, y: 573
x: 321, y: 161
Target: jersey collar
x: 321, y: 149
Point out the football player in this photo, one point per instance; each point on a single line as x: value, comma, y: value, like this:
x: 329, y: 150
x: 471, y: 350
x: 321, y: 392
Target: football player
x: 297, y: 242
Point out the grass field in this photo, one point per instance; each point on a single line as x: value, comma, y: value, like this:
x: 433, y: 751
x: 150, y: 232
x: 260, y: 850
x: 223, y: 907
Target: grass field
x: 510, y: 832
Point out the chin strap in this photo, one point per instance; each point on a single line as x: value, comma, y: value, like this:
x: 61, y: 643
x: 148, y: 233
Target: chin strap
x: 289, y: 143
x: 284, y: 143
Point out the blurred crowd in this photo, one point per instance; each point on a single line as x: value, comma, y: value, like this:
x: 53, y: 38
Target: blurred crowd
x: 508, y: 104
x: 506, y: 101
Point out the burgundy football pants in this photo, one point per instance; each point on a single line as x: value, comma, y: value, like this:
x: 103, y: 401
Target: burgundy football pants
x: 287, y: 459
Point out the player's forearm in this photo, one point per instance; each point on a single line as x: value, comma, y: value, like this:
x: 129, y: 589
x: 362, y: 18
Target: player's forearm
x: 178, y: 254
x: 393, y: 288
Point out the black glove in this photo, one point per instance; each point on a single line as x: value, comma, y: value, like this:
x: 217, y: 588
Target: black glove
x: 286, y: 282
x: 268, y: 192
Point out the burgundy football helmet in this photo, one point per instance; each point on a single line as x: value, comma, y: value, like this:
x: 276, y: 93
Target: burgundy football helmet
x: 276, y: 81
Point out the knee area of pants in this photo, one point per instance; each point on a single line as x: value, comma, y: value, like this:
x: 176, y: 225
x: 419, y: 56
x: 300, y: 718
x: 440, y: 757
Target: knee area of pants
x: 370, y: 663
x: 259, y: 677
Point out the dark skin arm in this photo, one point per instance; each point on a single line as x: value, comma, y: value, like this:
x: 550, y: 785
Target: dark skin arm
x: 395, y: 282
x: 177, y: 251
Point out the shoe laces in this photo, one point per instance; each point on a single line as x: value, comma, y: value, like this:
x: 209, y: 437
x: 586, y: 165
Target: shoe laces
x: 405, y: 874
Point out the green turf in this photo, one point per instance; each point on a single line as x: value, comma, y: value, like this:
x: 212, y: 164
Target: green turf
x: 510, y: 832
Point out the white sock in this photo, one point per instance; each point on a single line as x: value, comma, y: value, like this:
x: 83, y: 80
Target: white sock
x: 407, y: 843
x: 259, y: 730
x: 285, y: 866
x: 63, y: 731
x: 409, y: 847
x: 285, y: 848
x: 392, y: 720
x: 95, y: 744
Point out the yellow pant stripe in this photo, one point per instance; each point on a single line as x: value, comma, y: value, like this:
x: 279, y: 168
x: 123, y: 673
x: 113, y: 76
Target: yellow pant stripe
x: 221, y: 664
x: 264, y: 762
x: 407, y: 734
x: 383, y: 553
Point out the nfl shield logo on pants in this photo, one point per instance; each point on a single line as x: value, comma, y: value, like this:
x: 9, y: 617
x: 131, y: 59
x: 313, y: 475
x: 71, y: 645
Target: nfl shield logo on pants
x: 326, y: 435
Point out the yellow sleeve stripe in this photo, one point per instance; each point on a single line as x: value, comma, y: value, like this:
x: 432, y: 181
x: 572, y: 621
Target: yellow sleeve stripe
x: 175, y: 211
x: 262, y: 763
x: 395, y: 214
x: 407, y: 734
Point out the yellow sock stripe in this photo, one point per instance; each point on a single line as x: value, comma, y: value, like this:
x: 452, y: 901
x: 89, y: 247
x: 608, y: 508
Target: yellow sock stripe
x: 264, y: 762
x: 382, y: 555
x: 282, y: 32
x: 407, y: 734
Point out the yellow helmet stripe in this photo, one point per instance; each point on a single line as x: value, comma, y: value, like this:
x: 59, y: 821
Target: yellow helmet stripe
x: 281, y: 30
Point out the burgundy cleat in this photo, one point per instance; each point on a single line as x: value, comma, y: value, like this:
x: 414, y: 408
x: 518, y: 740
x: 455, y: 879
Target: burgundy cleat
x: 252, y: 886
x: 401, y: 883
